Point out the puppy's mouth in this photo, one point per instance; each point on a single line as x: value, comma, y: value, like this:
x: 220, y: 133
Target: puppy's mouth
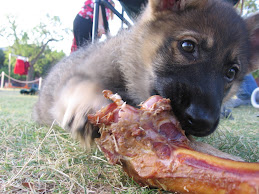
x: 198, y: 128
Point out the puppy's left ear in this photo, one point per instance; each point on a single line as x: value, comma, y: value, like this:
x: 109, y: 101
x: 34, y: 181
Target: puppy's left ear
x: 252, y: 23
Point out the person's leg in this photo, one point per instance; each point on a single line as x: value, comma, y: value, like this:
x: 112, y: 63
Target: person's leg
x: 243, y: 96
x: 82, y: 30
x: 247, y: 87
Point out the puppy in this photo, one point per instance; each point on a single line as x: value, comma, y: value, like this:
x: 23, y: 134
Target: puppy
x: 195, y: 52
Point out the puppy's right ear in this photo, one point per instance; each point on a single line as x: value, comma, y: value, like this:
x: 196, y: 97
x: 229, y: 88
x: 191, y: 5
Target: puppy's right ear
x: 175, y: 5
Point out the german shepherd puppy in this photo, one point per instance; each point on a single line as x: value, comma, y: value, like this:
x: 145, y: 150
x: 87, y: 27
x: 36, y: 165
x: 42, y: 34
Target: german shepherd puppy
x: 195, y: 52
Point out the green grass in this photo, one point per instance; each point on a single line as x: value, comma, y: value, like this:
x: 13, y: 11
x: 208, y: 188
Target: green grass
x: 36, y: 158
x: 239, y: 137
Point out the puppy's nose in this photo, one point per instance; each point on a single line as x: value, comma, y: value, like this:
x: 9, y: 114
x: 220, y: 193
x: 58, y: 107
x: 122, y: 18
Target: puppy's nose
x: 199, y: 122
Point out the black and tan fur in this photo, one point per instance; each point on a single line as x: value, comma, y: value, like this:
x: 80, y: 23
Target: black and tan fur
x: 151, y: 58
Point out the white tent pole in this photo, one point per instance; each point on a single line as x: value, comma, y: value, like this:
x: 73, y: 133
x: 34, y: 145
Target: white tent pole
x: 40, y: 82
x: 9, y: 68
x: 2, y: 80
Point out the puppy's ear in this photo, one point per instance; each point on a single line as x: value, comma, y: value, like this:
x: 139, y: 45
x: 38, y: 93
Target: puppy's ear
x: 175, y: 5
x: 252, y: 23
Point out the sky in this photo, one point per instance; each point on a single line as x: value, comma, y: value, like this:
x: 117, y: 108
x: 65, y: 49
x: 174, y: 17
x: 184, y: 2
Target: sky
x: 30, y: 12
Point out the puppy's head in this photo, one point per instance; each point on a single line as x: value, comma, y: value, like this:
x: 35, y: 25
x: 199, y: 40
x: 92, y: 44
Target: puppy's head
x: 200, y: 52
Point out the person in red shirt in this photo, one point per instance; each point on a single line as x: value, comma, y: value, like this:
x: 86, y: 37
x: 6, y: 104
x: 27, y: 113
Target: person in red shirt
x: 83, y: 23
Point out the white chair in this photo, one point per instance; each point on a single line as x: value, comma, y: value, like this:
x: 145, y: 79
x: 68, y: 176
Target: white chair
x: 255, y: 98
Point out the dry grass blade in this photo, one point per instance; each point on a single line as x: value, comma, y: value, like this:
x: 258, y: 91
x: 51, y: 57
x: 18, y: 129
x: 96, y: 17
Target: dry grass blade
x: 29, y: 160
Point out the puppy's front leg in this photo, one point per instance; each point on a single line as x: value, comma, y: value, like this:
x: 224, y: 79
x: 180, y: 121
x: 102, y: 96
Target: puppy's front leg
x: 78, y: 98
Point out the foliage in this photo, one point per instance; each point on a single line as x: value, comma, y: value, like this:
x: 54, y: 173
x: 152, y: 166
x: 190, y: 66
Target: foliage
x: 2, y: 58
x: 256, y: 74
x: 46, y: 61
x: 34, y: 44
x: 249, y: 6
x: 42, y: 66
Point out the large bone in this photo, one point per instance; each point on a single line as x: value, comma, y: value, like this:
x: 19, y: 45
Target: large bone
x: 153, y: 149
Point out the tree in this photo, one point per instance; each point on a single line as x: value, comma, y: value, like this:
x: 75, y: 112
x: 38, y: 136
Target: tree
x: 46, y: 61
x: 247, y: 6
x: 35, y: 43
x: 2, y: 58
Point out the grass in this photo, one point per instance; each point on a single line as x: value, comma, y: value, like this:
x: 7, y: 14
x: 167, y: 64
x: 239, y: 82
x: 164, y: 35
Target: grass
x: 239, y: 137
x: 40, y: 159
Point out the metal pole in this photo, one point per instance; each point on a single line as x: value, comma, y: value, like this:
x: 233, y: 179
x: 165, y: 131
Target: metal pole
x: 95, y: 20
x: 108, y: 5
x: 105, y: 22
x: 122, y: 14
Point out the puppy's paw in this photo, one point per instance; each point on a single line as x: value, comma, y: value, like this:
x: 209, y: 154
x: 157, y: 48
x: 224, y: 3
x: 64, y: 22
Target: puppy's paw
x: 77, y: 99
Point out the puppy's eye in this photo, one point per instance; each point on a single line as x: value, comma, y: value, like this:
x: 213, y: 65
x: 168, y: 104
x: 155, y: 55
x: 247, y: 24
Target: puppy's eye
x: 188, y: 46
x: 231, y: 73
